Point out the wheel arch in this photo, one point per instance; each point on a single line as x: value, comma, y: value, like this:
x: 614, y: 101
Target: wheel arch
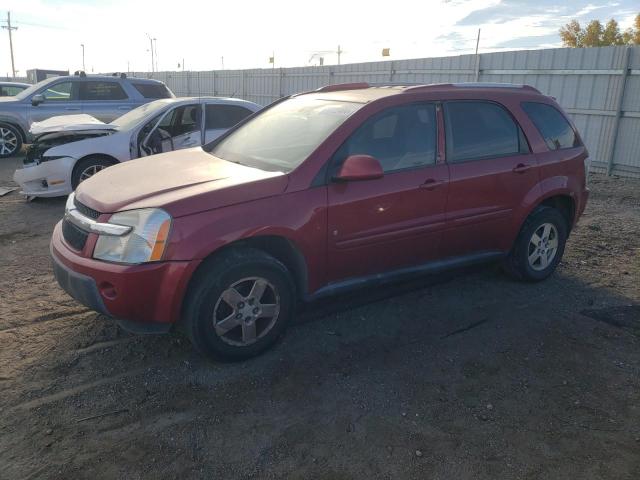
x: 105, y: 156
x: 17, y: 126
x: 281, y: 248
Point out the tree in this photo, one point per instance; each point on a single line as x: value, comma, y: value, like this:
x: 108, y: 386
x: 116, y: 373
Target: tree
x: 594, y: 35
x: 571, y: 34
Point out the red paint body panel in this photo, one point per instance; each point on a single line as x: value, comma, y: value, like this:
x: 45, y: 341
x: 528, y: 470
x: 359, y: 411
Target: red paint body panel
x: 342, y: 230
x: 146, y: 293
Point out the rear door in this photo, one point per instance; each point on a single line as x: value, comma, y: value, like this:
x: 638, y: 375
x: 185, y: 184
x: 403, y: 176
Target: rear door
x: 491, y: 171
x: 395, y: 221
x: 106, y: 100
x: 220, y: 117
x: 60, y: 98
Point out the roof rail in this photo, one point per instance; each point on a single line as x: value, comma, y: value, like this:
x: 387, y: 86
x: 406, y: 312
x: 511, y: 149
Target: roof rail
x: 343, y: 86
x: 471, y: 85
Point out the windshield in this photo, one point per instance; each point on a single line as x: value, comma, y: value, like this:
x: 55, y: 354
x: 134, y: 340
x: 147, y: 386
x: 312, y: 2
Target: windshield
x: 283, y: 136
x: 137, y: 115
x: 34, y: 88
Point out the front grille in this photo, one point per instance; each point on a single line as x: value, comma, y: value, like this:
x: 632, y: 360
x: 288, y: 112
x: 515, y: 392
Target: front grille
x: 86, y: 211
x: 73, y: 235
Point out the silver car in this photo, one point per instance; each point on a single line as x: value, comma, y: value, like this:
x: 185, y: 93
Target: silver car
x: 9, y: 89
x: 101, y: 96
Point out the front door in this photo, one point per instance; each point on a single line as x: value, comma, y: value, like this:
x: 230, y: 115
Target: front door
x: 380, y: 225
x: 491, y: 172
x: 61, y: 98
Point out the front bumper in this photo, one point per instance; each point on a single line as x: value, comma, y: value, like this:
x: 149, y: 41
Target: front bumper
x: 144, y: 297
x: 46, y: 179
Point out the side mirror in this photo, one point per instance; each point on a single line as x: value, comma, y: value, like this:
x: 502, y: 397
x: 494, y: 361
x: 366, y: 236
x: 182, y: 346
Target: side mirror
x: 37, y: 99
x: 359, y: 167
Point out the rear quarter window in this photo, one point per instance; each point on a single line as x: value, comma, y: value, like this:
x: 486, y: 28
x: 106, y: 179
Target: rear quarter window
x: 152, y: 90
x: 552, y: 125
x: 224, y: 116
x: 480, y: 129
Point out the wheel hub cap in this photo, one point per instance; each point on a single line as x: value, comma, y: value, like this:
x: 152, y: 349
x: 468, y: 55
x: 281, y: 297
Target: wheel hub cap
x: 543, y: 246
x: 8, y: 141
x: 246, y: 311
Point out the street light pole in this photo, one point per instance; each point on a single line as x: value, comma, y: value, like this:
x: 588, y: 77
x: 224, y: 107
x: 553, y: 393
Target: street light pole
x: 83, y: 67
x: 152, y: 56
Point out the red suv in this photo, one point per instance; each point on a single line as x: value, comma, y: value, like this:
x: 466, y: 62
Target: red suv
x: 321, y: 192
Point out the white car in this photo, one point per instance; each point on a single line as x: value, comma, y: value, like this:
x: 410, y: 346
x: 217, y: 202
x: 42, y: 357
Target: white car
x: 70, y: 148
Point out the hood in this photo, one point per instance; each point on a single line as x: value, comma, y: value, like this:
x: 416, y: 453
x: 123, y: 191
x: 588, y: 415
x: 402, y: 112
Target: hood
x: 8, y: 99
x: 69, y: 123
x: 182, y: 182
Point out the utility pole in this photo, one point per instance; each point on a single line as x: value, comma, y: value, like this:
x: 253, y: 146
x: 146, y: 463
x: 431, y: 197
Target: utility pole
x: 339, y: 53
x: 477, y: 75
x: 9, y: 28
x: 152, y: 56
x: 84, y: 69
x: 478, y: 42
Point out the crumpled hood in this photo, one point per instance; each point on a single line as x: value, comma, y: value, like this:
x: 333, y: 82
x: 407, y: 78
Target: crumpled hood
x: 69, y: 123
x: 182, y: 182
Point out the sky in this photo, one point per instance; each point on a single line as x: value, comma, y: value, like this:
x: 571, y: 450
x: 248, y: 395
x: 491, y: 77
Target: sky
x: 208, y: 35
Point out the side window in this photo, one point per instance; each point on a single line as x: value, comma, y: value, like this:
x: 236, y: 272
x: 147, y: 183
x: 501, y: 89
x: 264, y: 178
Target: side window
x: 477, y: 130
x: 399, y: 138
x: 224, y: 116
x: 10, y: 91
x: 552, y: 125
x: 182, y: 120
x: 152, y: 90
x: 60, y: 92
x: 103, y: 91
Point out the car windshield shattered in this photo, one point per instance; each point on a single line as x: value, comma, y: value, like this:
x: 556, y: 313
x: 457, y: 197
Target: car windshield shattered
x: 283, y: 136
x: 137, y: 115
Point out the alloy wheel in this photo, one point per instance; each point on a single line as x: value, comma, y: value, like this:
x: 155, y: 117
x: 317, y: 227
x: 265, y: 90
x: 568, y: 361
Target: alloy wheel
x: 543, y: 246
x: 246, y: 311
x: 8, y: 141
x: 91, y: 171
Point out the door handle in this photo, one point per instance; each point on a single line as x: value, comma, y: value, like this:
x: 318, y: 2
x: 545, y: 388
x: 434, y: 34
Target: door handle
x: 431, y: 184
x: 75, y: 109
x: 124, y: 108
x: 521, y: 168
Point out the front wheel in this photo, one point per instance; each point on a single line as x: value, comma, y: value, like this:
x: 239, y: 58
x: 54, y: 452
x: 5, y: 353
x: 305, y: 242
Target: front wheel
x: 87, y: 168
x: 10, y: 140
x: 539, y: 246
x: 239, y: 304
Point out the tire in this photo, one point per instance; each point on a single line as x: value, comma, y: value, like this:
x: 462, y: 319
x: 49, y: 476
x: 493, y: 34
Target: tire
x: 211, y: 299
x: 83, y: 168
x: 534, y: 257
x: 10, y: 140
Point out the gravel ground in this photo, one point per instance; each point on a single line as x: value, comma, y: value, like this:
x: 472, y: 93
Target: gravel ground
x: 465, y: 375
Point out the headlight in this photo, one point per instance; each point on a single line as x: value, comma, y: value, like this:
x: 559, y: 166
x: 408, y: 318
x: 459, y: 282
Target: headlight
x: 146, y: 241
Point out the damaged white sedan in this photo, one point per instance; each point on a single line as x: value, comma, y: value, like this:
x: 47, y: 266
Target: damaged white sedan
x: 71, y: 148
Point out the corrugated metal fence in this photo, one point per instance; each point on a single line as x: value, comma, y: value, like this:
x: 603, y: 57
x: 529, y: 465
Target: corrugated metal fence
x: 598, y: 87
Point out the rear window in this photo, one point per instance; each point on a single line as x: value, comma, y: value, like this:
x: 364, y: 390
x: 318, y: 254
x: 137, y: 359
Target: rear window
x: 224, y: 116
x: 153, y: 90
x: 103, y: 91
x: 552, y: 125
x: 477, y: 130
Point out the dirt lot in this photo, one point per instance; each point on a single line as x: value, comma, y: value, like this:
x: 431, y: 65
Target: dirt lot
x: 469, y: 375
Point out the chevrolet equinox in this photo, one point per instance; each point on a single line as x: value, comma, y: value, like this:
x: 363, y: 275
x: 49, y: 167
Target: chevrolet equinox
x: 321, y: 192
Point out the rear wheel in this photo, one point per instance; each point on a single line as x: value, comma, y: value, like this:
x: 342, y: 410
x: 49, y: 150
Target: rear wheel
x: 10, y: 140
x: 239, y: 305
x: 87, y: 168
x: 539, y: 246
